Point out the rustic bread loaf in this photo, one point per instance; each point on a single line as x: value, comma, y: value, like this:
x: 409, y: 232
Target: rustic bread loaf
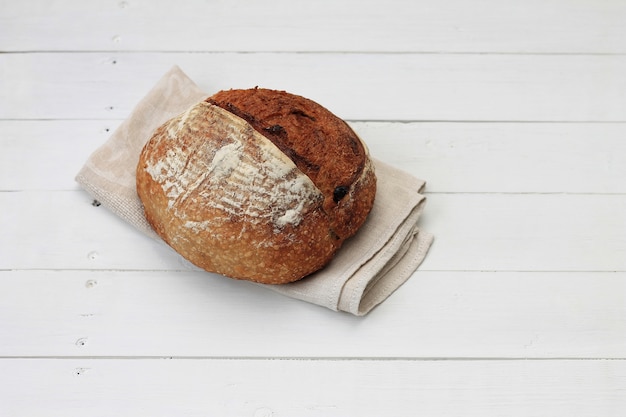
x: 256, y: 184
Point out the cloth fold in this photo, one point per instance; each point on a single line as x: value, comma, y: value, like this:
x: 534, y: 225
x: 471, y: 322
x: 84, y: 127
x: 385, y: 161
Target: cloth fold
x: 370, y: 266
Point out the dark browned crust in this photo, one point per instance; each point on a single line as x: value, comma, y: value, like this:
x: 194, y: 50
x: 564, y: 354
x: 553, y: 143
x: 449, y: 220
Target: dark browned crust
x: 321, y: 145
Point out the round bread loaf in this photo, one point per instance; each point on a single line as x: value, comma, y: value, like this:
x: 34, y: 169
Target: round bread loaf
x: 256, y: 184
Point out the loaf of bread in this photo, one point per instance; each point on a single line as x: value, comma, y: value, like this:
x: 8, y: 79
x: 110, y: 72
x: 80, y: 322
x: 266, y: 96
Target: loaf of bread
x: 256, y: 184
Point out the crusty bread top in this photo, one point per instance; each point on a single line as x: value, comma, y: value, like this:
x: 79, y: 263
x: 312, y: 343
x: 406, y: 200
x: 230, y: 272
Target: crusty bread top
x: 229, y: 201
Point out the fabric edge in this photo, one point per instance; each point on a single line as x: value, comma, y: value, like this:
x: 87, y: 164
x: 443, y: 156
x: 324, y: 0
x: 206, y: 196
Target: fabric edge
x: 402, y: 271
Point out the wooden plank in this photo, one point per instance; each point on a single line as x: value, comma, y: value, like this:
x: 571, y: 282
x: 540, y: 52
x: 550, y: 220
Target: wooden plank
x: 48, y: 154
x: 354, y: 86
x: 92, y: 387
x: 523, y: 232
x: 505, y: 157
x: 502, y: 232
x: 195, y: 314
x: 534, y: 26
x: 55, y: 235
x: 452, y: 157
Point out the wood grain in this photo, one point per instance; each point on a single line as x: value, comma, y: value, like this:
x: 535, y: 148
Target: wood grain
x: 453, y: 26
x: 435, y: 315
x: 359, y: 86
x: 194, y: 387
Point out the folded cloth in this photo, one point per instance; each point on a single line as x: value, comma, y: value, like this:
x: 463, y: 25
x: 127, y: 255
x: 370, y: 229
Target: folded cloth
x: 371, y: 265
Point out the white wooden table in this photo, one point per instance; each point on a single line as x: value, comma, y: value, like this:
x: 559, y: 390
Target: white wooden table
x: 515, y: 114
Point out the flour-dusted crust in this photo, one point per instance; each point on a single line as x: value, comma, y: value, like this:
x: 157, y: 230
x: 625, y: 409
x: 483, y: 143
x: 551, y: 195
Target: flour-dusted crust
x: 227, y: 197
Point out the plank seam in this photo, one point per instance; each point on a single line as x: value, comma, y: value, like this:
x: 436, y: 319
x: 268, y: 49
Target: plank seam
x: 308, y: 358
x: 297, y: 52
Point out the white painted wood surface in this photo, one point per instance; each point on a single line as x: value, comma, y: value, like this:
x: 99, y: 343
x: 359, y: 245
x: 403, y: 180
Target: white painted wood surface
x: 435, y: 87
x: 515, y: 114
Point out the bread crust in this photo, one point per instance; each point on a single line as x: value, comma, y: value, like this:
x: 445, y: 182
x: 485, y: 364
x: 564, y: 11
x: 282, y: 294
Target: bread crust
x: 231, y: 200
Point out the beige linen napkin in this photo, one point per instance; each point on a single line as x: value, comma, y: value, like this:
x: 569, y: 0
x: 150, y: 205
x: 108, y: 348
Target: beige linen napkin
x: 367, y: 269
